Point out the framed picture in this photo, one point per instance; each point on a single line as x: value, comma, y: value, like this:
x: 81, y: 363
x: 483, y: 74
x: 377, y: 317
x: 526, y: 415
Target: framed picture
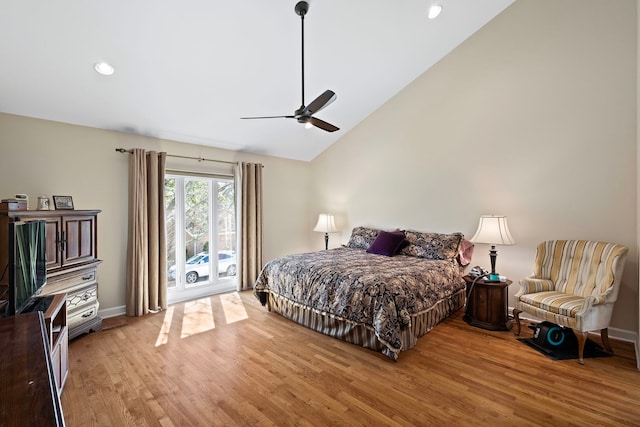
x: 63, y: 202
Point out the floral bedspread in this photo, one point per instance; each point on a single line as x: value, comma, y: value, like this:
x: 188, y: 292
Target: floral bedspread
x: 376, y: 290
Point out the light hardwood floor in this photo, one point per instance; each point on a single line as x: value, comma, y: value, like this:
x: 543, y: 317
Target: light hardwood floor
x: 226, y: 361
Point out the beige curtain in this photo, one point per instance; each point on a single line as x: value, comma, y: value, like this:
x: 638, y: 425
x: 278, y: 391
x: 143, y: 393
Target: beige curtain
x: 248, y: 178
x: 146, y: 247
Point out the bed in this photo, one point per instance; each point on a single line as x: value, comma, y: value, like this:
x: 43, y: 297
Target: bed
x: 371, y: 292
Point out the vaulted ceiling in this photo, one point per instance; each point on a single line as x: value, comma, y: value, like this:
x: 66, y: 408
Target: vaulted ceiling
x: 188, y: 70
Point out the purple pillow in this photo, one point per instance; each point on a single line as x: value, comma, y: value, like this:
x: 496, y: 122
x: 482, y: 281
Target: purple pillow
x: 387, y: 243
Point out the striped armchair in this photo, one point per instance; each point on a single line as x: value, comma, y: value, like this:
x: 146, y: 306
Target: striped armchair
x: 574, y: 284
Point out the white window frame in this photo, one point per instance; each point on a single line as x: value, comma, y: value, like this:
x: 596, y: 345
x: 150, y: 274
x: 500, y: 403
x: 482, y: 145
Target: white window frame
x: 182, y: 291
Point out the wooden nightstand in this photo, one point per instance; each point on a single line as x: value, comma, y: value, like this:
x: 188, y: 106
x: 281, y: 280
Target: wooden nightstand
x: 488, y: 305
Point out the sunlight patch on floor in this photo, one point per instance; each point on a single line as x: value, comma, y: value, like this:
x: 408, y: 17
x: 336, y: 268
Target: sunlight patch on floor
x: 233, y: 308
x: 197, y: 315
x: 163, y: 336
x: 197, y: 318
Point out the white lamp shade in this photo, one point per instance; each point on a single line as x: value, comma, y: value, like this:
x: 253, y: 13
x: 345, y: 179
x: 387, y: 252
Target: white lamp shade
x: 493, y: 229
x: 326, y: 224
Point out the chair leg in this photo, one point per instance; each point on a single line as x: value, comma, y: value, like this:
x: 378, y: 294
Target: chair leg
x: 516, y: 317
x: 582, y: 339
x: 604, y: 335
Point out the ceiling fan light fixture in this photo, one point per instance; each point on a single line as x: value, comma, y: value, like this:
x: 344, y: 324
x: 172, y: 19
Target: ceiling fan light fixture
x: 305, y: 121
x: 104, y: 68
x: 434, y: 11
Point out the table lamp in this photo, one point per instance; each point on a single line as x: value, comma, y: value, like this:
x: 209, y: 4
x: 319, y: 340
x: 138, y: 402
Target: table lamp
x: 493, y: 230
x: 326, y: 225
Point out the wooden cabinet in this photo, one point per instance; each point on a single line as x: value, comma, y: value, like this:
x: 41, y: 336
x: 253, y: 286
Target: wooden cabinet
x: 487, y: 305
x: 72, y: 261
x: 70, y: 237
x: 55, y: 320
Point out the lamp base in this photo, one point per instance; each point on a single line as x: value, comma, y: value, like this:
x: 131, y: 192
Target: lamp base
x: 492, y: 278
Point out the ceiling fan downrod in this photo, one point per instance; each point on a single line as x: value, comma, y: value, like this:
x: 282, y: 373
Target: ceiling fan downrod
x: 302, y: 7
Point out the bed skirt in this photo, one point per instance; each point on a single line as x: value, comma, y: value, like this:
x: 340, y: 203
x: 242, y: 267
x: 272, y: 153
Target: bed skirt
x: 360, y: 333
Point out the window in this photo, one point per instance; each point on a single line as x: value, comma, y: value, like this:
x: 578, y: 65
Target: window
x: 200, y: 221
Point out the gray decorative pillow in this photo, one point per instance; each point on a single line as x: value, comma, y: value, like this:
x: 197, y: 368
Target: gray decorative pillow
x: 435, y: 246
x: 362, y: 237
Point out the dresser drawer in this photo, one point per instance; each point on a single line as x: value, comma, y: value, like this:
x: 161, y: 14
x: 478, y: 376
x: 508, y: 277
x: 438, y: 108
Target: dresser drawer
x: 82, y: 315
x: 71, y: 281
x: 79, y: 298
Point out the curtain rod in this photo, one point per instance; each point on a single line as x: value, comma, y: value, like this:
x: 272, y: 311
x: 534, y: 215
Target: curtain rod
x: 200, y: 159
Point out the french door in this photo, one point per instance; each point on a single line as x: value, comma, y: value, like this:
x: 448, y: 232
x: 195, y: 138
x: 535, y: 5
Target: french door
x: 201, y: 236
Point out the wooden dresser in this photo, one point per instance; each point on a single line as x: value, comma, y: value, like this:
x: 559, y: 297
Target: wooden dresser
x: 72, y: 261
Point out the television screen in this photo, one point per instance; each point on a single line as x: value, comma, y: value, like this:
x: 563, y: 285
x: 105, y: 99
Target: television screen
x: 27, y: 263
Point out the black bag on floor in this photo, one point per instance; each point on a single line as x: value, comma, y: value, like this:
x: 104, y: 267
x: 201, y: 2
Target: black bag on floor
x: 549, y: 335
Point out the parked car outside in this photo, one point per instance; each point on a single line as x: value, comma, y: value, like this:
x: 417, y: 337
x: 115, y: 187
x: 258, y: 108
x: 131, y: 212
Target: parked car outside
x: 198, y: 266
x: 227, y: 263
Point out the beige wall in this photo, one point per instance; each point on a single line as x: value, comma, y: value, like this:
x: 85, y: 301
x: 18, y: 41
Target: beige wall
x: 638, y: 155
x: 39, y: 157
x: 533, y: 117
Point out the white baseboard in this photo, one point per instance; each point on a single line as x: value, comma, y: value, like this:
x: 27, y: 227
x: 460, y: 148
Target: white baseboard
x: 112, y: 312
x: 623, y: 335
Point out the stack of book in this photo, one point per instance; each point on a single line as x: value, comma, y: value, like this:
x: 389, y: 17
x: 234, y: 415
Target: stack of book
x: 13, y: 205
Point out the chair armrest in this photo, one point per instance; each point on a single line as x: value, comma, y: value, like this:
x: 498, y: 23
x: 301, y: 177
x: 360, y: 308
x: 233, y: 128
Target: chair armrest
x: 596, y: 299
x: 589, y: 302
x: 592, y: 300
x: 531, y: 285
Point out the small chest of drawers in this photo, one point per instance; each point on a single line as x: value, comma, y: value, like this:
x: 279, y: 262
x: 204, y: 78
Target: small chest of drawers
x: 81, y: 286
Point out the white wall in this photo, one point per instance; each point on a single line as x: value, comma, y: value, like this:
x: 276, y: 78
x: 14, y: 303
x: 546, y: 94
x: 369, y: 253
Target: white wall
x: 39, y: 157
x: 533, y: 117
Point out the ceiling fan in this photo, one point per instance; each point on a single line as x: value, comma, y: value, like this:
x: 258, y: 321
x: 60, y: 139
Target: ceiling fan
x: 304, y: 114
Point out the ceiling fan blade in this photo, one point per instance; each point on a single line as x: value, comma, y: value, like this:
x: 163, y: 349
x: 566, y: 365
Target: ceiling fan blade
x: 326, y: 98
x: 269, y: 117
x: 322, y: 124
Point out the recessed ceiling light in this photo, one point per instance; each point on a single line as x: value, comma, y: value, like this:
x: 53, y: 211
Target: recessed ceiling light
x: 434, y: 11
x: 104, y: 68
